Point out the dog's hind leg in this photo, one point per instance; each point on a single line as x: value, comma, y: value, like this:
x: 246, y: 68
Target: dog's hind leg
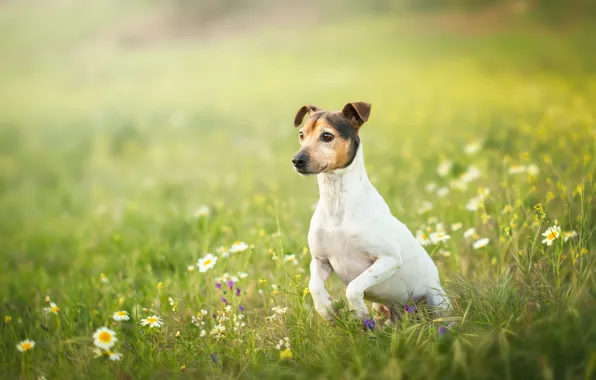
x: 438, y: 302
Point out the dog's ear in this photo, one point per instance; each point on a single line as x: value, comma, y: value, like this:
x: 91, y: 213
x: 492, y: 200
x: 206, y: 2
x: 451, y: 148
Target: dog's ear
x: 302, y: 112
x: 357, y: 112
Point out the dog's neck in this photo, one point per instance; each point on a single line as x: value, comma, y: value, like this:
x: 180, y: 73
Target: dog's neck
x: 342, y: 188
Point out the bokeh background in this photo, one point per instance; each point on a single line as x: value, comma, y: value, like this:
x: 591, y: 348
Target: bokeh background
x: 120, y: 119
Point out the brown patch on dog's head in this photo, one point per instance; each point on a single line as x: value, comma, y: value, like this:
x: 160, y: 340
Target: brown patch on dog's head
x: 329, y: 139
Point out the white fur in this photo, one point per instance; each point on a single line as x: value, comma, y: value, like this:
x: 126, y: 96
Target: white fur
x: 354, y: 234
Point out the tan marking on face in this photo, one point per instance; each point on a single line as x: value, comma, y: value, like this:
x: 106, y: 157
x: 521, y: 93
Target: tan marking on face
x: 323, y: 156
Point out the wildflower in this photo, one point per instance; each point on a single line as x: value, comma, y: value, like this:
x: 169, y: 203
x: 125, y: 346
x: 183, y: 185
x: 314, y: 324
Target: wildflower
x: 152, y: 321
x: 159, y: 286
x: 52, y: 309
x: 470, y: 175
x: 203, y: 333
x: 231, y: 284
x: 218, y: 285
x: 423, y: 238
x: 241, y: 308
x: 285, y: 342
x: 238, y: 246
x: 191, y: 268
x: 228, y: 308
x: 456, y: 226
x: 223, y: 252
x: 430, y: 187
x: 104, y: 338
x: 25, y: 345
x: 226, y: 277
x: 472, y: 148
x: 114, y: 356
x: 291, y: 258
x: 439, y: 237
x: 202, y: 211
x: 551, y: 234
x: 533, y: 169
x: 121, y: 316
x: 178, y: 334
x: 237, y: 292
x: 279, y: 310
x: 508, y: 209
x: 481, y: 243
x: 47, y: 299
x: 426, y: 207
x: 224, y: 300
x: 103, y: 278
x: 7, y: 319
x: 442, y: 330
x: 369, y: 324
x: 517, y: 169
x: 242, y: 275
x: 569, y: 235
x: 443, y: 191
x: 214, y: 358
x: 444, y: 168
x: 409, y: 308
x: 305, y: 292
x: 470, y: 232
x: 206, y: 263
x: 286, y: 354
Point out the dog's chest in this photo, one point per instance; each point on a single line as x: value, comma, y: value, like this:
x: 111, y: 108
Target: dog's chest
x: 343, y: 247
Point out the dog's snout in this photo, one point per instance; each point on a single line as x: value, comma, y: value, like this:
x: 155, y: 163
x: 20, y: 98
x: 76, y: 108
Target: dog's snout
x: 299, y: 160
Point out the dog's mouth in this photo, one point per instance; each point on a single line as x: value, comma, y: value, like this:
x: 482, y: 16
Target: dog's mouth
x: 307, y: 171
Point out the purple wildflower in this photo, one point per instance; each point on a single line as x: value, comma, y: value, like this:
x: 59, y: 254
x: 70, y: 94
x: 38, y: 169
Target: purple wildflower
x: 224, y: 300
x: 231, y: 284
x: 218, y: 285
x: 214, y: 358
x: 241, y: 308
x: 409, y: 308
x: 237, y: 291
x: 442, y: 330
x: 369, y: 324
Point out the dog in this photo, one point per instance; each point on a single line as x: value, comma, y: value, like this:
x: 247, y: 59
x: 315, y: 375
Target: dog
x: 352, y: 231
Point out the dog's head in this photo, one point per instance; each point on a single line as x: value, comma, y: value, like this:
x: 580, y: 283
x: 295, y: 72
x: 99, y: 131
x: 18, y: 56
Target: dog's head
x: 328, y: 139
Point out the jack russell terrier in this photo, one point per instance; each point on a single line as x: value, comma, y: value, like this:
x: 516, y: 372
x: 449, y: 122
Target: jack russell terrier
x: 352, y: 231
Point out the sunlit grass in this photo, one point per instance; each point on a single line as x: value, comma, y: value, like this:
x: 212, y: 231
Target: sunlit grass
x: 122, y: 173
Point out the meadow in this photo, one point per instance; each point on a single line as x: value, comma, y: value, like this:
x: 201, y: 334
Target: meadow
x: 155, y: 179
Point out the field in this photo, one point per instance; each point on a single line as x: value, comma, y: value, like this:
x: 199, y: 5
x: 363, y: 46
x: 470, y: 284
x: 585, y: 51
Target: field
x: 121, y: 167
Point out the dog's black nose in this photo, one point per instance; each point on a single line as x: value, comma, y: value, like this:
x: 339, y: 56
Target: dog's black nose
x: 299, y: 162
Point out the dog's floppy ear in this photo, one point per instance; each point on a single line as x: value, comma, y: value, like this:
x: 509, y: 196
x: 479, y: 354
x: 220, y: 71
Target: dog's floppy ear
x: 358, y: 112
x: 302, y: 112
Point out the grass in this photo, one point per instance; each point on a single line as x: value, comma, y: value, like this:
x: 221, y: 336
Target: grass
x: 106, y: 155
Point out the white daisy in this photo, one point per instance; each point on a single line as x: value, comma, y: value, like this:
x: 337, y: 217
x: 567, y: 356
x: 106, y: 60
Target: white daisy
x: 551, y: 234
x: 471, y: 174
x: 114, y: 356
x: 423, y: 238
x: 121, y: 316
x: 206, y: 263
x: 426, y: 207
x: 533, y: 169
x: 470, y: 232
x: 456, y: 226
x: 52, y: 309
x: 291, y: 258
x: 152, y: 321
x: 481, y: 243
x: 569, y: 235
x: 202, y: 211
x: 442, y: 191
x: 203, y: 333
x: 438, y: 237
x: 444, y: 168
x: 104, y: 338
x: 25, y: 345
x: 225, y: 278
x: 238, y: 246
x: 242, y: 274
x: 472, y: 148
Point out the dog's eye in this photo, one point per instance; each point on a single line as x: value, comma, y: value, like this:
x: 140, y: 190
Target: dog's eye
x: 301, y: 135
x: 327, y: 137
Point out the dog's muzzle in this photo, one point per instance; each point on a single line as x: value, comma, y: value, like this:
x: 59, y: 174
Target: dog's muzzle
x: 300, y: 160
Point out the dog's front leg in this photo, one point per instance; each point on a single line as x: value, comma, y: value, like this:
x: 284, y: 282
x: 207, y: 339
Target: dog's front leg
x: 383, y: 268
x: 320, y: 270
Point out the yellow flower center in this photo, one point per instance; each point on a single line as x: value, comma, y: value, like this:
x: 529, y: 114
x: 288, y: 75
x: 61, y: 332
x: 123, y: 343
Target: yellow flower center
x: 237, y: 242
x: 151, y: 320
x: 26, y: 346
x: 207, y: 262
x: 105, y: 337
x: 552, y: 235
x: 121, y: 313
x: 55, y: 309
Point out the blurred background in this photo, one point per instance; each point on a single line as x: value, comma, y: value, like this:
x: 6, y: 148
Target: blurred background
x: 158, y: 106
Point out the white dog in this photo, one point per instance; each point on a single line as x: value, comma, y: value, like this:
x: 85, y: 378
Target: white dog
x: 352, y: 231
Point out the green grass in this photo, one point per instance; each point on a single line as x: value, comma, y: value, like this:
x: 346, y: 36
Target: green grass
x: 106, y: 153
